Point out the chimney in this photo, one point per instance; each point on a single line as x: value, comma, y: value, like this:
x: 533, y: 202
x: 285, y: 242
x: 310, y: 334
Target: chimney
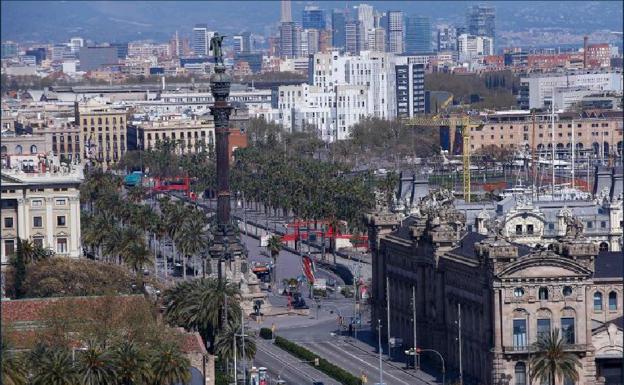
x: 585, y: 38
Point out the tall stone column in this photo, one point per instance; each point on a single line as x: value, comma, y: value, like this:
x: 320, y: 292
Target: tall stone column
x: 226, y: 243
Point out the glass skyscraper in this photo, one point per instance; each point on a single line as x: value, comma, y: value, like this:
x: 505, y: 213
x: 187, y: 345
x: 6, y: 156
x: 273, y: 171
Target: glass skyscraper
x: 339, y: 35
x: 313, y: 18
x: 418, y: 34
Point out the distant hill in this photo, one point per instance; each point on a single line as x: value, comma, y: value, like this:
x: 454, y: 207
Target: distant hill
x: 132, y: 20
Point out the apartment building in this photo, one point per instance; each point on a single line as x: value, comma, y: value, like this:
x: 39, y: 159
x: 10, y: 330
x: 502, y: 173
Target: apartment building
x: 193, y: 133
x: 103, y: 132
x: 41, y: 204
x: 598, y: 133
x: 536, y: 91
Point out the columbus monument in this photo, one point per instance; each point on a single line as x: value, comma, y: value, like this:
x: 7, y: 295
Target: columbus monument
x: 227, y: 251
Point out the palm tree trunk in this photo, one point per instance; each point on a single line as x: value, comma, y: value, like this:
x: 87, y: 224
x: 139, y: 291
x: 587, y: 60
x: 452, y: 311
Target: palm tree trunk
x: 163, y: 256
x: 183, y: 265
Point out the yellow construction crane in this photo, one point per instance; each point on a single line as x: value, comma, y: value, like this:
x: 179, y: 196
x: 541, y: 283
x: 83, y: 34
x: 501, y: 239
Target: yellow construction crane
x: 452, y: 122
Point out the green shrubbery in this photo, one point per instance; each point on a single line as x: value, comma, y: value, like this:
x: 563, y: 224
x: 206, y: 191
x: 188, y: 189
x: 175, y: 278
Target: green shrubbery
x: 266, y: 334
x: 335, y: 372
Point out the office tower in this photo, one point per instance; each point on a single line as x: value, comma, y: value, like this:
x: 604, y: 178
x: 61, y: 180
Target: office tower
x: 201, y: 40
x: 238, y: 43
x: 175, y: 47
x: 480, y: 21
x: 395, y: 31
x: 246, y: 42
x: 447, y: 38
x: 286, y: 13
x: 313, y: 18
x: 377, y: 40
x: 9, y: 49
x: 75, y: 43
x: 309, y: 42
x: 410, y: 89
x: 366, y: 16
x: 122, y: 49
x: 92, y: 58
x: 39, y: 54
x: 339, y: 37
x: 290, y: 40
x: 324, y: 40
x: 418, y: 34
x: 354, y: 37
x: 470, y: 46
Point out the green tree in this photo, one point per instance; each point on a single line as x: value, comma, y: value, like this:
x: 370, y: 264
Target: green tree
x: 132, y: 363
x: 552, y: 361
x: 169, y: 366
x: 199, y: 305
x: 53, y: 366
x: 192, y: 238
x: 14, y: 370
x: 274, y: 246
x: 137, y: 256
x: 96, y: 366
x: 226, y: 339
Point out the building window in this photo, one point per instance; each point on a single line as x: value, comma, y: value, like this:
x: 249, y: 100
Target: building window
x: 61, y: 202
x: 37, y: 222
x: 543, y: 293
x: 519, y: 333
x: 61, y: 245
x: 8, y: 222
x: 9, y: 247
x: 543, y: 328
x: 520, y: 373
x: 518, y: 292
x: 60, y: 220
x: 604, y: 246
x: 597, y: 301
x: 603, y: 224
x: 530, y: 229
x: 567, y: 291
x: 613, y: 301
x: 38, y: 241
x: 567, y: 330
x: 518, y: 229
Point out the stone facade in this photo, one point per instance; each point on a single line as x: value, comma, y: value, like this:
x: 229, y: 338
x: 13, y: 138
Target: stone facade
x: 44, y: 207
x: 508, y: 291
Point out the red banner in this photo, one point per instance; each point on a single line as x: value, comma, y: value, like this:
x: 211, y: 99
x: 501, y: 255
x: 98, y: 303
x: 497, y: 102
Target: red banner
x: 308, y: 268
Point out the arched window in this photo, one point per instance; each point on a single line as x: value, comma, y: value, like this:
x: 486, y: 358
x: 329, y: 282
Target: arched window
x: 518, y: 292
x: 604, y: 246
x: 567, y: 291
x: 18, y: 149
x: 612, y: 300
x: 114, y: 120
x: 33, y: 149
x: 99, y: 120
x: 597, y: 301
x: 543, y: 293
x: 3, y: 149
x: 520, y: 373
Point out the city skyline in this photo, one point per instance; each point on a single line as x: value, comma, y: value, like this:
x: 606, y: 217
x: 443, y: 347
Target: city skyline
x: 93, y: 20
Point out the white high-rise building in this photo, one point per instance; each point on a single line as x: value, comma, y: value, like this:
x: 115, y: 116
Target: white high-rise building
x: 470, y: 46
x: 366, y: 16
x: 395, y: 29
x: 75, y: 43
x: 201, y: 40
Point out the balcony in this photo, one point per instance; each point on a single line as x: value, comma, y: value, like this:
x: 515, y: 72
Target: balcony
x: 533, y: 349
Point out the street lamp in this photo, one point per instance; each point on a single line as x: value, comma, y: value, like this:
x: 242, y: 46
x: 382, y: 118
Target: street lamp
x: 411, y: 352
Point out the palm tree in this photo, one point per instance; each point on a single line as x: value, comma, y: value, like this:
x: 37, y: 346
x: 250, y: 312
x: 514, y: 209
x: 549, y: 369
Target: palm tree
x: 192, y: 238
x: 275, y: 246
x: 169, y: 366
x: 137, y: 256
x: 175, y: 215
x: 14, y: 371
x: 33, y: 253
x: 551, y: 361
x: 137, y: 193
x: 199, y: 305
x: 131, y: 363
x: 54, y: 367
x: 226, y: 339
x: 96, y: 367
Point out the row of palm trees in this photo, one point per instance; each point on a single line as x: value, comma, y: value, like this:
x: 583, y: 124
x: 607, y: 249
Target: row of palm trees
x: 125, y: 363
x: 120, y: 229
